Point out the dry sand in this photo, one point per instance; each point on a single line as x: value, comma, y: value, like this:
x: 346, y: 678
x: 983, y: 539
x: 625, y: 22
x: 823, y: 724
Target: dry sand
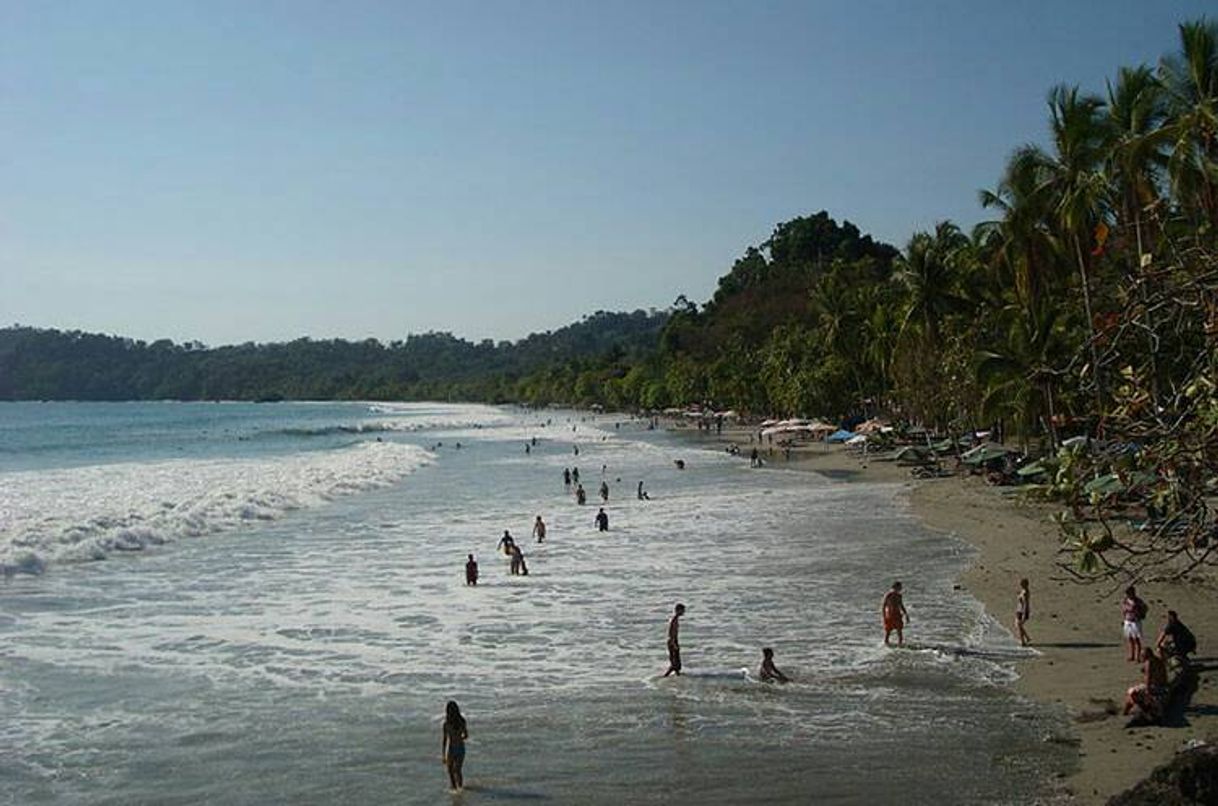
x: 1076, y: 628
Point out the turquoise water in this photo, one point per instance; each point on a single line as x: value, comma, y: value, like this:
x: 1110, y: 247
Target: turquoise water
x: 265, y: 604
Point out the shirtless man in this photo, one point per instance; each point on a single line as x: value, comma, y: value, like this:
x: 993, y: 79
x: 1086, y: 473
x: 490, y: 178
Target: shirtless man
x: 768, y: 671
x: 893, y: 614
x: 674, y: 644
x: 1151, y: 694
x: 539, y: 530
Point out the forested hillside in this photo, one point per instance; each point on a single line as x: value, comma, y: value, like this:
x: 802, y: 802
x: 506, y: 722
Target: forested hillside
x: 38, y: 364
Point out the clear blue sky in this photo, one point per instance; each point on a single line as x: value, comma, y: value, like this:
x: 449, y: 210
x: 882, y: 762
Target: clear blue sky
x: 232, y: 171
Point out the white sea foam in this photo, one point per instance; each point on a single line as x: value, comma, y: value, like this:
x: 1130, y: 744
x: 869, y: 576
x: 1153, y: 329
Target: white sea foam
x: 86, y: 513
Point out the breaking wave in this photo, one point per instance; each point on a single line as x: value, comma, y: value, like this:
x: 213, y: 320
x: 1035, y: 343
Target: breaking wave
x: 87, y: 513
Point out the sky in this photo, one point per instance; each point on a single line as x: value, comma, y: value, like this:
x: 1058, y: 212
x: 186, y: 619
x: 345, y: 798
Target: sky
x: 260, y: 171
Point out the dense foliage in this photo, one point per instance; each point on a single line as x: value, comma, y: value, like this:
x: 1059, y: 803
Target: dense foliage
x: 52, y: 365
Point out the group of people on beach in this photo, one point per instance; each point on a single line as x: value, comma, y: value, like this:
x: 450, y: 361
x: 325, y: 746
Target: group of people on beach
x: 1175, y: 643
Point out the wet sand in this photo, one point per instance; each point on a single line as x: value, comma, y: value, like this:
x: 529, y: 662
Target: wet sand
x: 1076, y: 628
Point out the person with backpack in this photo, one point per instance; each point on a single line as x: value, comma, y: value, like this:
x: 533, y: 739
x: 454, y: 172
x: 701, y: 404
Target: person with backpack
x: 1133, y: 611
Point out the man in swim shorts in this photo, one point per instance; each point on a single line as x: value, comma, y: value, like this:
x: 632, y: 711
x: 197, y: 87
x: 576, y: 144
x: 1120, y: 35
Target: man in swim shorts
x: 893, y: 614
x: 674, y: 643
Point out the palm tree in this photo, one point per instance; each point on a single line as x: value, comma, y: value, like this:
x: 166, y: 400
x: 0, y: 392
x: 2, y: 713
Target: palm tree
x: 1190, y: 79
x: 1020, y: 373
x: 928, y: 271
x: 1078, y: 188
x: 1022, y: 241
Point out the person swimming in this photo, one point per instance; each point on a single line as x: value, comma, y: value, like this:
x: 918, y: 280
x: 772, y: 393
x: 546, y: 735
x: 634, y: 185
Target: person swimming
x: 768, y: 671
x: 452, y: 745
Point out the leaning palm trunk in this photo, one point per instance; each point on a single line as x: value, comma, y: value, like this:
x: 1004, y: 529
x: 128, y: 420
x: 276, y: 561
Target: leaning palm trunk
x: 1091, y: 342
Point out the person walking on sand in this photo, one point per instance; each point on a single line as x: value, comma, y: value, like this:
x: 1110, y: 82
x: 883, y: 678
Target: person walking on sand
x: 539, y: 530
x: 452, y: 746
x: 768, y: 671
x: 471, y: 571
x: 893, y: 614
x: 602, y: 521
x: 1023, y: 612
x: 1133, y: 611
x: 674, y: 642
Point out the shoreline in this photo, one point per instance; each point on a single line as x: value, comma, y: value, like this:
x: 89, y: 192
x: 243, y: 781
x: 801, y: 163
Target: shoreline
x: 1076, y: 629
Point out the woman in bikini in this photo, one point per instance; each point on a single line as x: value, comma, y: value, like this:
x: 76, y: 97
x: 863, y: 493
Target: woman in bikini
x: 1023, y: 612
x: 453, y: 745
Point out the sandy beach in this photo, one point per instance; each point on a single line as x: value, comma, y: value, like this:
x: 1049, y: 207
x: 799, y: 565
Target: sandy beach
x: 1075, y: 628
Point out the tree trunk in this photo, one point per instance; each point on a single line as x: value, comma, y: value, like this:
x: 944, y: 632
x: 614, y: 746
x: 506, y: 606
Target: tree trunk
x: 1095, y: 355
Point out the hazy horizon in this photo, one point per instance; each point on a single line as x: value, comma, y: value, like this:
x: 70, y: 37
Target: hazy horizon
x: 229, y: 172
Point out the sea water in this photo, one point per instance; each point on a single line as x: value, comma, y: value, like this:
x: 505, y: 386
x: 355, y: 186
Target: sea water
x: 246, y: 604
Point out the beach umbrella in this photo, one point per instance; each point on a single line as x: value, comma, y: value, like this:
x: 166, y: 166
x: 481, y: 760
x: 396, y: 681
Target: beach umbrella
x: 986, y: 452
x: 1036, y: 468
x: 768, y: 423
x: 839, y: 436
x: 915, y: 453
x: 857, y: 439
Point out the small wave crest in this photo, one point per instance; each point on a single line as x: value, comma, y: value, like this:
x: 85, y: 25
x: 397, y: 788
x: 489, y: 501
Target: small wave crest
x: 88, y: 513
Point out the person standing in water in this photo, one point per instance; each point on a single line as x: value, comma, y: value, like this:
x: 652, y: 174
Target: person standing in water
x: 505, y: 543
x: 539, y: 530
x: 602, y: 521
x: 581, y: 497
x: 605, y: 491
x: 575, y: 475
x: 1023, y: 612
x: 566, y: 477
x: 452, y: 746
x: 768, y: 671
x: 471, y: 571
x: 894, y: 615
x: 518, y: 567
x: 674, y: 642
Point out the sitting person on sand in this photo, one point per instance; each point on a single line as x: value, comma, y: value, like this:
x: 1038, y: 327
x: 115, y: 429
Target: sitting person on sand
x: 1176, y: 640
x: 893, y: 614
x: 1149, y: 696
x: 768, y: 671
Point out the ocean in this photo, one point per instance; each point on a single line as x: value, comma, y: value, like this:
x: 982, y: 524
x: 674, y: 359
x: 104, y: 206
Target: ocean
x: 248, y: 604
